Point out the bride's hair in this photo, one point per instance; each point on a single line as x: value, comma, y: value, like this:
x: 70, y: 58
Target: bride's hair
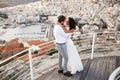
x: 72, y: 23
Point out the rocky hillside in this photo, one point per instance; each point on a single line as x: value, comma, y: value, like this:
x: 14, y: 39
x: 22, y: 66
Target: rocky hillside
x: 90, y: 10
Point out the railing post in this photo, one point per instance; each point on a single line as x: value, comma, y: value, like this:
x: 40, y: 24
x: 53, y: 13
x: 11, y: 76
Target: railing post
x: 93, y: 45
x: 30, y: 61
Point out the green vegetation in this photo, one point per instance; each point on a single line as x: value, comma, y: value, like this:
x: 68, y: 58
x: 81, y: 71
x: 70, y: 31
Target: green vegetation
x: 35, y: 52
x: 21, y: 45
x: 6, y: 62
x: 2, y: 15
x: 23, y: 52
x: 52, y: 51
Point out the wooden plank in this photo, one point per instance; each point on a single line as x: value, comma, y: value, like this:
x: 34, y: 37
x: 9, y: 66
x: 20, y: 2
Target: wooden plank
x: 86, y: 68
x: 113, y: 65
x: 96, y: 69
x: 48, y: 75
x: 57, y: 76
x: 106, y: 73
x: 109, y: 67
x: 93, y: 69
x: 104, y: 68
x: 117, y: 61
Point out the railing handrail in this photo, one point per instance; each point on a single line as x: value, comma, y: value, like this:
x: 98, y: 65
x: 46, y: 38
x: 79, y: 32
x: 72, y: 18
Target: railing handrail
x: 44, y: 44
x: 23, y: 52
x: 13, y: 56
x: 30, y: 52
x: 114, y: 74
x: 93, y: 40
x: 107, y: 32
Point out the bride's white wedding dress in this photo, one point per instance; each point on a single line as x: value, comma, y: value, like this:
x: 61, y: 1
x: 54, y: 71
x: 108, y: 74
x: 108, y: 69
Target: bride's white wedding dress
x: 74, y: 61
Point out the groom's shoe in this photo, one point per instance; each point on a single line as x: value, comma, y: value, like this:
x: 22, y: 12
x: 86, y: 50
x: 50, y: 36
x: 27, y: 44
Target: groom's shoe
x: 60, y: 71
x: 68, y: 74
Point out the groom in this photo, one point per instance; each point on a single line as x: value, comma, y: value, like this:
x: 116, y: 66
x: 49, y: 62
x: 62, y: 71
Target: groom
x: 61, y: 38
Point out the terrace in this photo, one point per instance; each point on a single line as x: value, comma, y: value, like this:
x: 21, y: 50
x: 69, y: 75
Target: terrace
x: 99, y: 61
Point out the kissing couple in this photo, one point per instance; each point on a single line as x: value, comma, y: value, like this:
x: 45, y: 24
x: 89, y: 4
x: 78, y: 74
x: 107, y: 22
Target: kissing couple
x: 66, y: 48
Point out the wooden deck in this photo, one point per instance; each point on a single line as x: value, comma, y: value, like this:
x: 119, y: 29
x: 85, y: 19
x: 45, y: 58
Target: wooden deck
x: 96, y: 69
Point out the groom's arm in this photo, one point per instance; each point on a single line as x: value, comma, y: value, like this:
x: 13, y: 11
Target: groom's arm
x: 61, y: 32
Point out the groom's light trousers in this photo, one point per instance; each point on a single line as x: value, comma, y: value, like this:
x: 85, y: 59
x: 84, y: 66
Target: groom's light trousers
x: 62, y: 49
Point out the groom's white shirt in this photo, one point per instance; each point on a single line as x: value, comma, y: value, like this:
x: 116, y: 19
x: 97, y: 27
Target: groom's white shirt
x: 59, y: 34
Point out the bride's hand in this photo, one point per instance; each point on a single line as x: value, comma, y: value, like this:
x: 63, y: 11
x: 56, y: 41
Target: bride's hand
x: 67, y: 31
x: 64, y: 28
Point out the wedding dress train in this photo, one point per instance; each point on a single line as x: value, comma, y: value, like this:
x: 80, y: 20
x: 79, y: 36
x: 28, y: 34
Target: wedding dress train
x: 74, y: 61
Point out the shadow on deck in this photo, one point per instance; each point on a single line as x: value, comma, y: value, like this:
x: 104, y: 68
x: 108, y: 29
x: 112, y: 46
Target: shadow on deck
x: 96, y: 69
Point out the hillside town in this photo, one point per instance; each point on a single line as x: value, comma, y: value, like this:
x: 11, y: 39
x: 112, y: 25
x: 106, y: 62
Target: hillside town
x: 28, y: 25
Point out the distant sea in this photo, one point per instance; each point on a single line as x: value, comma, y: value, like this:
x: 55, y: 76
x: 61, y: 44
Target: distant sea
x: 10, y: 3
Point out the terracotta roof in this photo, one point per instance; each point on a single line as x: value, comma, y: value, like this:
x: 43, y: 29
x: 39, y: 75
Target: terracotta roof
x: 11, y: 45
x: 40, y: 51
x: 35, y: 42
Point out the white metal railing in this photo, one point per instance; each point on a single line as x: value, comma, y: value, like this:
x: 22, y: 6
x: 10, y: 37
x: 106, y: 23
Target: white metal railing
x: 114, y: 74
x: 93, y: 44
x: 93, y: 40
x: 31, y: 48
x: 30, y: 56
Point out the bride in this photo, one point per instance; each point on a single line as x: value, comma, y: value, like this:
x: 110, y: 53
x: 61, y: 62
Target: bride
x: 74, y: 61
